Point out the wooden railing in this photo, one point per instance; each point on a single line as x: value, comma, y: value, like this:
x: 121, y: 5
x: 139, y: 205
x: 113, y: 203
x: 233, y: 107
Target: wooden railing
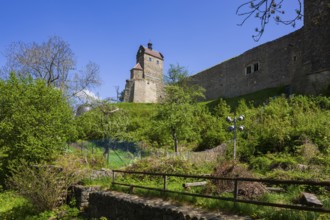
x: 235, y: 181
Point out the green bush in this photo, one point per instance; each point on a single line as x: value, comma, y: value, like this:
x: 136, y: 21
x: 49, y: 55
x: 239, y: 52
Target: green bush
x: 35, y: 122
x: 45, y: 185
x: 13, y: 206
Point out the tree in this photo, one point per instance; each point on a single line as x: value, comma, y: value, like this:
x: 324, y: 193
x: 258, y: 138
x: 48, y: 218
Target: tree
x: 35, y: 121
x: 264, y: 10
x: 176, y: 74
x: 121, y: 96
x: 104, y: 124
x: 52, y: 61
x: 177, y: 110
x: 176, y: 113
x: 117, y: 93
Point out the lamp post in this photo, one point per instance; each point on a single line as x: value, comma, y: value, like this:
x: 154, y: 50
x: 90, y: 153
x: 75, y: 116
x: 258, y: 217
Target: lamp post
x: 234, y: 129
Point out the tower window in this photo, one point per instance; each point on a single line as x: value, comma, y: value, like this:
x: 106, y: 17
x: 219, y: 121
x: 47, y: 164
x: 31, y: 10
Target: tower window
x: 255, y: 67
x: 157, y: 62
x: 248, y: 69
x: 150, y: 59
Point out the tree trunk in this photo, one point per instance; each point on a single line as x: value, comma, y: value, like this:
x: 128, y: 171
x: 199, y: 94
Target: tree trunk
x: 175, y: 139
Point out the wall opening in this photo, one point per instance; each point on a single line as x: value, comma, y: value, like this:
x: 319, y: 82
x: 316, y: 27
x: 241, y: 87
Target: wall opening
x: 251, y: 68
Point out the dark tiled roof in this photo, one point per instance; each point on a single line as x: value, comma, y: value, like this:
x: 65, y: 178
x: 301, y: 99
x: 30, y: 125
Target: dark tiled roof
x: 153, y: 53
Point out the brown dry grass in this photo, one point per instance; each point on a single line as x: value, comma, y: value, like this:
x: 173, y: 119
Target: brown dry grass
x: 231, y: 169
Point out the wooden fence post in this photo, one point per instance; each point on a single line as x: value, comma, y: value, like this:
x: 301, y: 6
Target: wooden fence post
x: 235, y: 191
x: 113, y: 177
x: 165, y: 182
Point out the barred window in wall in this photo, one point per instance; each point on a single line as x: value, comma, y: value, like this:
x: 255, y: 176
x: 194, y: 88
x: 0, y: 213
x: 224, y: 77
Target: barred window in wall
x: 252, y: 68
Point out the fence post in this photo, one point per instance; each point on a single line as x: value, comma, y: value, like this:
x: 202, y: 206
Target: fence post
x: 165, y: 182
x: 235, y: 190
x: 113, y: 177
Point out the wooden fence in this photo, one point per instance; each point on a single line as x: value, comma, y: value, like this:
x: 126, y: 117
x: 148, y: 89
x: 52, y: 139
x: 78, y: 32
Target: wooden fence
x: 235, y: 181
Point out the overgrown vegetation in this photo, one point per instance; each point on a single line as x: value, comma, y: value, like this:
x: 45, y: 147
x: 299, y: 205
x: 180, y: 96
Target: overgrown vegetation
x: 284, y: 138
x: 35, y: 122
x: 254, y: 191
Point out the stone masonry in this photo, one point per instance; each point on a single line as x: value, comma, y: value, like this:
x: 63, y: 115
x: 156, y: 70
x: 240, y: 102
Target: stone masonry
x: 300, y: 60
x: 146, y: 82
x: 96, y: 203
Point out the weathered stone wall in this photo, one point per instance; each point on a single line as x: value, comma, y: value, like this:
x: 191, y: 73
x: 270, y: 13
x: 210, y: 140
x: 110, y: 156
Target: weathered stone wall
x: 121, y: 206
x: 145, y: 85
x: 153, y: 68
x: 314, y: 77
x: 277, y: 62
x: 81, y: 195
x: 300, y: 59
x: 136, y: 74
x: 129, y: 91
x: 145, y: 91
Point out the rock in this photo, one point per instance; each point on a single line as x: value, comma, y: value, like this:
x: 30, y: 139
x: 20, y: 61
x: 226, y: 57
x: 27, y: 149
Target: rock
x: 302, y: 167
x: 310, y: 200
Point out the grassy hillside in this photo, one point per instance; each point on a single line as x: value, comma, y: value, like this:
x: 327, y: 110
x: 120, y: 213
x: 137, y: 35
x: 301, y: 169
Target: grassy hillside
x: 256, y: 98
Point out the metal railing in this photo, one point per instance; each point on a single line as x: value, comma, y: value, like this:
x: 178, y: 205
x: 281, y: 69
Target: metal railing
x: 235, y: 181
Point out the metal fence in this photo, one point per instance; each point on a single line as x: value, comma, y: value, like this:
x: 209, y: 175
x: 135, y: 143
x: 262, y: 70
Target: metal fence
x: 235, y: 181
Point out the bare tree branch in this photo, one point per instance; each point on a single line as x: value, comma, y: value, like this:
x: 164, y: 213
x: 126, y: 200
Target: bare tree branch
x: 264, y: 10
x: 54, y: 62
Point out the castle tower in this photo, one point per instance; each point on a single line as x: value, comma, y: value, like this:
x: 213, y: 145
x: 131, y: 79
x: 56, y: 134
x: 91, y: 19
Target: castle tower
x: 146, y: 82
x: 315, y: 75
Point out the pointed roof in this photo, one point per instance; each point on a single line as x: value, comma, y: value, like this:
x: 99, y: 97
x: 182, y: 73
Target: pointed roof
x: 151, y: 52
x: 137, y: 67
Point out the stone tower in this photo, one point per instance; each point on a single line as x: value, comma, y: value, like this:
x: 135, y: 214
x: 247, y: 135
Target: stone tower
x: 314, y: 77
x: 146, y: 82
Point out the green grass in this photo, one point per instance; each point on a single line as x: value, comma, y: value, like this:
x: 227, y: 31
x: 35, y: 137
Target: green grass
x: 138, y: 109
x: 10, y: 200
x: 118, y: 159
x: 259, y: 212
x: 175, y: 184
x: 256, y: 98
x: 13, y: 206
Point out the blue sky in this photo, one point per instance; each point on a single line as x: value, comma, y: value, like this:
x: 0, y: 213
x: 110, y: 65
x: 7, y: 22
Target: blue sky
x: 196, y: 34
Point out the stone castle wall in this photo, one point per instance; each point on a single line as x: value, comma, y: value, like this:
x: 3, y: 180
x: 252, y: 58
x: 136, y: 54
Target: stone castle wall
x: 300, y: 60
x: 276, y: 63
x: 145, y: 91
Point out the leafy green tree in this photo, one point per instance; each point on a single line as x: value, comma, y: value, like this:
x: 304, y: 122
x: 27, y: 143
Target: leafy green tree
x: 210, y: 128
x: 176, y: 115
x: 222, y: 109
x: 35, y: 121
x: 104, y: 121
x: 176, y: 74
x: 104, y: 124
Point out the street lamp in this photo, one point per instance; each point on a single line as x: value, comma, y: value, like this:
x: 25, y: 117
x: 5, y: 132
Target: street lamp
x: 234, y: 128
